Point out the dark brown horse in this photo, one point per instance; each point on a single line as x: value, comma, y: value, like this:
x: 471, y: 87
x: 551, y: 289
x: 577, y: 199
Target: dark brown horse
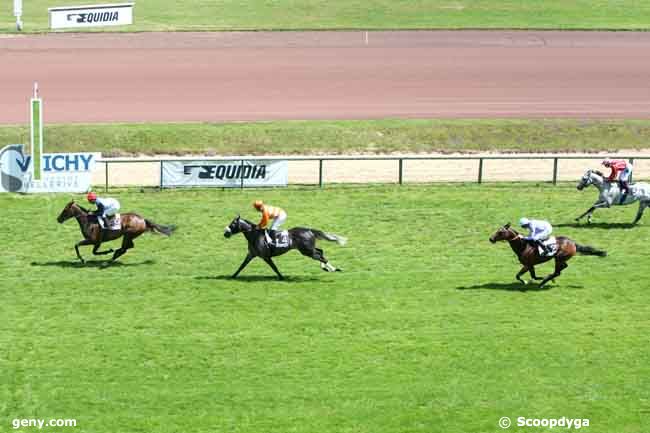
x: 132, y: 226
x: 529, y: 256
x: 300, y: 238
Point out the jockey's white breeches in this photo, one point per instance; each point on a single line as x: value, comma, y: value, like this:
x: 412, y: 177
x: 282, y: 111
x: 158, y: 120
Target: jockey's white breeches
x: 279, y: 220
x: 541, y: 235
x: 625, y: 174
x: 111, y: 207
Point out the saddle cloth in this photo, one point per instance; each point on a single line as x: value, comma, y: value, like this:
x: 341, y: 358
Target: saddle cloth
x: 280, y: 239
x: 114, y: 222
x: 551, y: 244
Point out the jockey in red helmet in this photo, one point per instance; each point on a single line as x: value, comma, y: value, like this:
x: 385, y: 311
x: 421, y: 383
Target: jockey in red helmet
x: 106, y: 208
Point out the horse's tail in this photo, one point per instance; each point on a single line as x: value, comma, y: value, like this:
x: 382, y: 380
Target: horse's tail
x: 330, y: 237
x: 590, y: 251
x: 157, y: 228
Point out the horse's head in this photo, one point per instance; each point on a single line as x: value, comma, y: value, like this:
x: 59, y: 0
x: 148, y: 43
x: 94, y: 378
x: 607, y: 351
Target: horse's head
x: 505, y: 233
x: 585, y: 180
x: 68, y: 212
x: 590, y: 177
x: 237, y: 225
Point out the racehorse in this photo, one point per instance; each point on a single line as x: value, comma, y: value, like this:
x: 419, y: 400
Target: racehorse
x: 529, y: 256
x: 300, y: 238
x: 610, y: 194
x: 132, y: 226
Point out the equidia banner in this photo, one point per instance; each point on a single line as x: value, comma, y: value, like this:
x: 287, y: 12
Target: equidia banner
x: 224, y: 174
x: 61, y: 172
x: 91, y: 16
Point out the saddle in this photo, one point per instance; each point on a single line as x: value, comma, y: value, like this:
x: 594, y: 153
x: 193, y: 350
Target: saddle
x: 112, y: 223
x: 278, y: 239
x: 551, y: 245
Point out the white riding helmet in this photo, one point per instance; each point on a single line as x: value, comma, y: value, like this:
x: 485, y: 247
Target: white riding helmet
x: 524, y: 222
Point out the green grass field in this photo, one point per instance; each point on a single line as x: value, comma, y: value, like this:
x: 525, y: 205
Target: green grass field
x: 424, y: 331
x: 171, y: 15
x: 342, y: 137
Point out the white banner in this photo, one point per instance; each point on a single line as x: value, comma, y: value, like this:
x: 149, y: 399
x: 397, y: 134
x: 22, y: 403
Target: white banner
x: 91, y: 16
x: 224, y: 174
x: 61, y: 172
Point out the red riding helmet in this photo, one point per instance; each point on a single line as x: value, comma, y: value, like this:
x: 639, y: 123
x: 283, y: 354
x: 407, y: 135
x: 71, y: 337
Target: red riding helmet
x: 91, y: 197
x: 258, y: 204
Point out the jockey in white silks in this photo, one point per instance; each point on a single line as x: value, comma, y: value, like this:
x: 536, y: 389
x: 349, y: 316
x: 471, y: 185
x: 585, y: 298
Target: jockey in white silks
x: 540, y: 231
x: 106, y: 208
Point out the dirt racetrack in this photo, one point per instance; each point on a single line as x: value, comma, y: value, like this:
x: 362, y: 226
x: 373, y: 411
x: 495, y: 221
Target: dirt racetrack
x: 164, y: 77
x: 249, y: 76
x: 386, y: 171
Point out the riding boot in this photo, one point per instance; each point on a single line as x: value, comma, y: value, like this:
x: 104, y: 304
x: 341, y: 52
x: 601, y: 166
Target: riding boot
x: 625, y: 190
x: 545, y: 250
x: 270, y: 237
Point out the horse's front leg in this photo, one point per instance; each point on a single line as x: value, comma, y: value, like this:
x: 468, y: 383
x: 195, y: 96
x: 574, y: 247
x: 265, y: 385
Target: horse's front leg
x: 532, y: 274
x: 523, y: 270
x: 246, y: 261
x: 591, y: 210
x: 272, y: 265
x: 79, y: 244
x: 100, y: 253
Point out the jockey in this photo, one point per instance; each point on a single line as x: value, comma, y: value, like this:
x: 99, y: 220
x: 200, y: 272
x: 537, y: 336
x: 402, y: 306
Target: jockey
x: 540, y: 231
x: 106, y: 208
x: 621, y: 168
x: 278, y: 215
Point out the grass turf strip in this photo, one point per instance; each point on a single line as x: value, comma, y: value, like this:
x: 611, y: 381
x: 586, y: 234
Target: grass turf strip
x: 169, y: 15
x: 341, y: 137
x: 424, y: 330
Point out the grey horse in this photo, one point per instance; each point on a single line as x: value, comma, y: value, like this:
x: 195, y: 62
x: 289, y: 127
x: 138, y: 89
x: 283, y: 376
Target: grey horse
x: 610, y: 194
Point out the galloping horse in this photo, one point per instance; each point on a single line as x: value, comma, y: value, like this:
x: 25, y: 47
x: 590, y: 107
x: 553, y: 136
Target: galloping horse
x: 529, y: 256
x: 302, y: 239
x: 132, y: 226
x: 610, y: 194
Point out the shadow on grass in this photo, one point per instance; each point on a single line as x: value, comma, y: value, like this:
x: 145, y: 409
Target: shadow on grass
x: 102, y: 264
x: 605, y: 226
x: 511, y: 287
x: 258, y: 278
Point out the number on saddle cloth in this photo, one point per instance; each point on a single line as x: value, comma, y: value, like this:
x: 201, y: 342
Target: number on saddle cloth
x: 278, y: 238
x: 551, y: 246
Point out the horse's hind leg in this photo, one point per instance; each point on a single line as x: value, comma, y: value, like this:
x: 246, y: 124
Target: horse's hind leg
x: 559, y: 266
x: 639, y: 213
x: 317, y: 254
x: 127, y: 243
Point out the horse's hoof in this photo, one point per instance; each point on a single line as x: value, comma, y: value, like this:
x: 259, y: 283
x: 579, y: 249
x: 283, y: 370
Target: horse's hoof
x: 338, y: 270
